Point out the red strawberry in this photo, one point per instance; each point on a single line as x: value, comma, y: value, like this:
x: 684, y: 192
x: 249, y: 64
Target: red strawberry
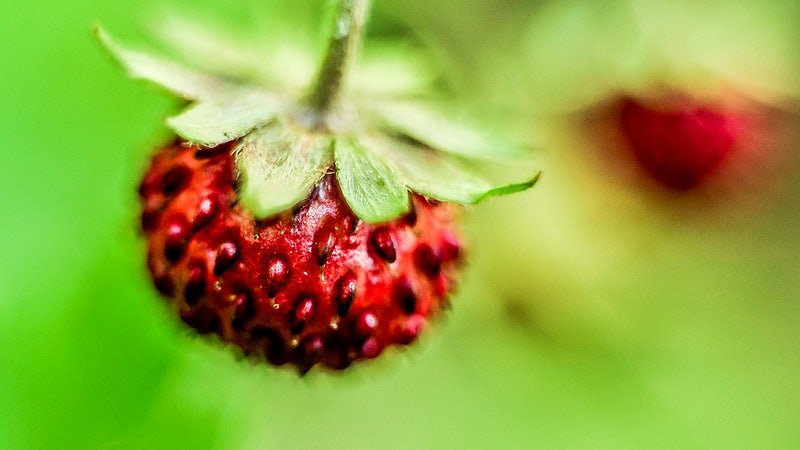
x: 313, y: 284
x: 305, y: 230
x: 680, y: 144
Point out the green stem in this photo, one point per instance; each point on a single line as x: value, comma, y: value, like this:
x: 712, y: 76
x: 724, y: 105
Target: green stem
x: 346, y: 35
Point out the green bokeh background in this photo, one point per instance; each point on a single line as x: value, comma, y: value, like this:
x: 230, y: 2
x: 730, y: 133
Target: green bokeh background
x: 593, y: 314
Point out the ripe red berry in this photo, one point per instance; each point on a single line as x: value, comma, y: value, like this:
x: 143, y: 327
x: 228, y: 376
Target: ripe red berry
x: 314, y: 284
x: 680, y: 144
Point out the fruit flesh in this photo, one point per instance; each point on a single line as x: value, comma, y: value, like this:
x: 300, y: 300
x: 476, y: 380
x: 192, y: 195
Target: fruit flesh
x: 311, y: 285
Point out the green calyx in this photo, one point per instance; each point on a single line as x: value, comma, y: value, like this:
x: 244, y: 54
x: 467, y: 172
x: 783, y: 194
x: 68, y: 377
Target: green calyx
x: 285, y: 142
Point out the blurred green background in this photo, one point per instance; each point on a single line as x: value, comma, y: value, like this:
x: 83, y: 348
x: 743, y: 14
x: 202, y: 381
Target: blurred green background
x: 596, y: 312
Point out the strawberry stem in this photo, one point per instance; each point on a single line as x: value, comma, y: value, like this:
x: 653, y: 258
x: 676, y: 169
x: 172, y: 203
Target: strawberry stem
x: 345, y: 41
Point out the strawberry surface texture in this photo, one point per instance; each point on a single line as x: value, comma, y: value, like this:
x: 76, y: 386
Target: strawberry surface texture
x: 314, y: 284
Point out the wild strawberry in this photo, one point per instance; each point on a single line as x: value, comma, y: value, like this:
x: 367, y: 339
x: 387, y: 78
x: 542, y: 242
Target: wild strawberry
x: 311, y: 284
x: 682, y: 143
x: 305, y: 231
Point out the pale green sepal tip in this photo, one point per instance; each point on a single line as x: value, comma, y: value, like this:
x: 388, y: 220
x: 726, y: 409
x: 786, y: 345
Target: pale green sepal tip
x: 280, y: 166
x: 370, y: 187
x: 433, y: 174
x: 213, y: 122
x: 511, y: 188
x: 176, y: 78
x: 438, y: 175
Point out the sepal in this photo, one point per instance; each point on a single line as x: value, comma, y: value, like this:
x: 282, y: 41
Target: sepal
x: 279, y: 165
x: 439, y: 175
x: 176, y: 78
x: 215, y: 121
x: 370, y: 186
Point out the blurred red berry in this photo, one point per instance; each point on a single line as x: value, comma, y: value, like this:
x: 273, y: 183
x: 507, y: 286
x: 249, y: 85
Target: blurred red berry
x: 680, y: 144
